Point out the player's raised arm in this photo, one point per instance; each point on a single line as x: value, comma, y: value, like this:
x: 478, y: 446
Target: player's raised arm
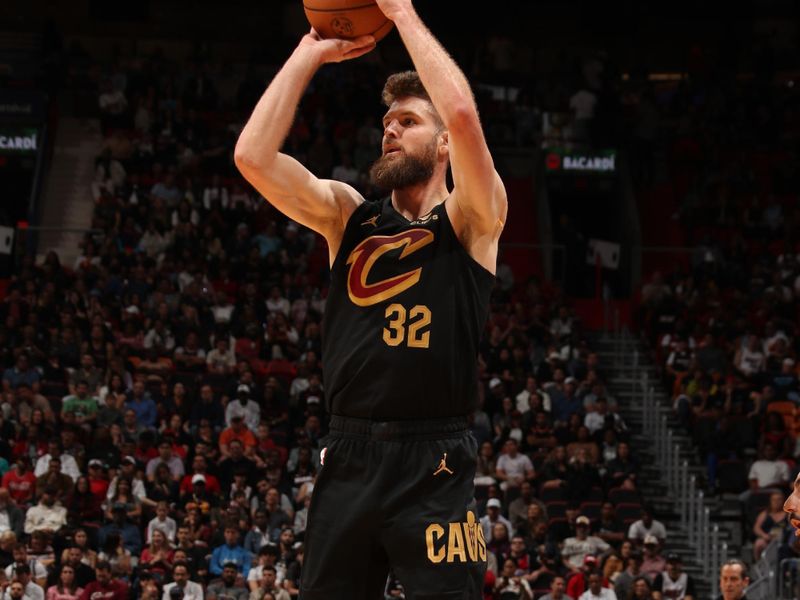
x: 479, y: 191
x: 320, y: 204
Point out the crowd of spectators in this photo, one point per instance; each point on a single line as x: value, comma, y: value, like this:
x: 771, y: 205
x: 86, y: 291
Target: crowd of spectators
x: 723, y: 324
x: 163, y: 403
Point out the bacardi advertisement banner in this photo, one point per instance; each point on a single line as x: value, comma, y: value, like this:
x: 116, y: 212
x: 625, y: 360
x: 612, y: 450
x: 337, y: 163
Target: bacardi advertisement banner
x: 580, y: 161
x: 18, y: 140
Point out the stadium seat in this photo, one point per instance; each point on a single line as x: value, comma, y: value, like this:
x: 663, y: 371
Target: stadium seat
x: 558, y: 528
x: 591, y: 509
x: 620, y: 495
x: 628, y: 512
x: 595, y: 495
x: 731, y: 476
x: 556, y: 508
x: 549, y: 494
x: 742, y: 431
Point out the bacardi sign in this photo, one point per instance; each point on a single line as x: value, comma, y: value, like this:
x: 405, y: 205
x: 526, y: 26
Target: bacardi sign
x: 558, y: 159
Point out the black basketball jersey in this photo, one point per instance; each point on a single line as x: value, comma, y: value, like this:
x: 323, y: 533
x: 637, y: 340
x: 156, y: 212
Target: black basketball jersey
x: 403, y: 318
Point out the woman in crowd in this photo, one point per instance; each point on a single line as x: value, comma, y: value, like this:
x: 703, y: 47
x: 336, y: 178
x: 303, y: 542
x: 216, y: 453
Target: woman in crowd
x: 65, y: 588
x: 157, y: 556
x: 85, y: 507
x: 120, y: 558
x: 769, y: 524
x: 123, y: 494
x: 640, y: 589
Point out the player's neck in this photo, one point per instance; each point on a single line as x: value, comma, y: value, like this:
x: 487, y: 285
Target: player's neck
x: 417, y: 201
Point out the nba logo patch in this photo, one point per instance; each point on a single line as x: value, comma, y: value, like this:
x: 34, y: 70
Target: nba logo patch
x: 322, y: 454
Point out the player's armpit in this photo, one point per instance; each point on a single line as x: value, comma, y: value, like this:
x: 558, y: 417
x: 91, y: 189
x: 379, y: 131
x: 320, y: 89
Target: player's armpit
x: 322, y: 205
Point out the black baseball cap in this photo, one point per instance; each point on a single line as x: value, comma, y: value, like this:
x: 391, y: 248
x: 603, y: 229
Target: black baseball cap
x: 672, y: 557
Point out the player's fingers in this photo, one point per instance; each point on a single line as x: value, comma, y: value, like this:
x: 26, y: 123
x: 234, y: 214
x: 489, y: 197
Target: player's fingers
x: 363, y: 41
x: 359, y: 51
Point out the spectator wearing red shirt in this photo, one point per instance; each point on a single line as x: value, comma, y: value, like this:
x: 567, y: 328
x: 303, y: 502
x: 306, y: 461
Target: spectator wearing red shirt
x: 105, y: 587
x: 20, y: 481
x: 199, y: 467
x: 579, y: 582
x: 98, y: 481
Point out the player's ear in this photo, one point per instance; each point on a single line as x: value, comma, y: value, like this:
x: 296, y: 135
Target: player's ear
x: 444, y: 140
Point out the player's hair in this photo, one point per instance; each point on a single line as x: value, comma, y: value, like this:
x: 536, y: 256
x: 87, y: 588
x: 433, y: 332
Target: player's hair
x: 405, y: 84
x: 401, y: 85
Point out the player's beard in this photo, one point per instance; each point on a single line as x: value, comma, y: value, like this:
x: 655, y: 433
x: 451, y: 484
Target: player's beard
x: 398, y: 172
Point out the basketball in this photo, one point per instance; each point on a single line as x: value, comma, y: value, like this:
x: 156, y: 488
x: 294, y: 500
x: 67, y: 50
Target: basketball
x: 347, y: 18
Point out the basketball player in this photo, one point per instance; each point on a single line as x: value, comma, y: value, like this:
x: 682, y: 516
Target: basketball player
x: 410, y: 282
x: 792, y: 505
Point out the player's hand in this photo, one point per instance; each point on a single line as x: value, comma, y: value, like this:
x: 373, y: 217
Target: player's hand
x: 393, y: 8
x: 334, y: 50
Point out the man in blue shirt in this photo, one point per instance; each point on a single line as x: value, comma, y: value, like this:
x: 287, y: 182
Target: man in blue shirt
x: 128, y: 532
x: 140, y: 402
x: 230, y: 552
x: 21, y: 372
x: 565, y: 401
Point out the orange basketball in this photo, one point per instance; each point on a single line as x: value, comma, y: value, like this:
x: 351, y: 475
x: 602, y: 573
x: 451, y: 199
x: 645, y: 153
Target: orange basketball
x: 347, y: 18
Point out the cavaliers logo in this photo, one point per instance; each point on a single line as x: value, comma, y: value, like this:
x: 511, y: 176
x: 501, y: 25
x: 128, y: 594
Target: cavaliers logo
x: 456, y: 542
x: 363, y: 258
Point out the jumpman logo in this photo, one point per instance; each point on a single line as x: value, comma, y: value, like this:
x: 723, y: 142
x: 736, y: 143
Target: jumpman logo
x: 442, y: 466
x: 372, y: 221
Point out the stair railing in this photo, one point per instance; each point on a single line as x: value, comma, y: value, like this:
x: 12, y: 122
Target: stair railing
x: 710, y: 552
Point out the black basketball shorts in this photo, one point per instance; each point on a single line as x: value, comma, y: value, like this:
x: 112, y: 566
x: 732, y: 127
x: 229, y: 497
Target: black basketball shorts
x: 396, y: 494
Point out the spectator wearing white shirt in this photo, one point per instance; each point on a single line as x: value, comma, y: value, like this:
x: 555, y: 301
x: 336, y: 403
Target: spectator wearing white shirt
x: 216, y: 193
x: 222, y: 309
x: 35, y: 569
x: 581, y: 545
x: 168, y: 457
x: 767, y: 472
x: 596, y: 590
x: 267, y: 559
x: 524, y: 397
x: 510, y: 585
x: 276, y: 303
x: 493, y: 516
x: 22, y: 588
x: 512, y: 467
x: 47, y: 516
x: 596, y: 420
x: 180, y: 575
x: 128, y: 471
x: 222, y: 359
x: 69, y: 466
x: 645, y: 526
x: 163, y: 522
x: 243, y: 406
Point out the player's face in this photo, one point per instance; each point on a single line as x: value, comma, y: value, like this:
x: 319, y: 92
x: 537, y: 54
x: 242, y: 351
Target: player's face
x: 410, y: 145
x: 792, y: 506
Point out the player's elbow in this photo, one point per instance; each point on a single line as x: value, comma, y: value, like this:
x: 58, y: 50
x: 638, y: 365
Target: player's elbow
x: 244, y: 159
x: 247, y: 158
x: 462, y: 115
